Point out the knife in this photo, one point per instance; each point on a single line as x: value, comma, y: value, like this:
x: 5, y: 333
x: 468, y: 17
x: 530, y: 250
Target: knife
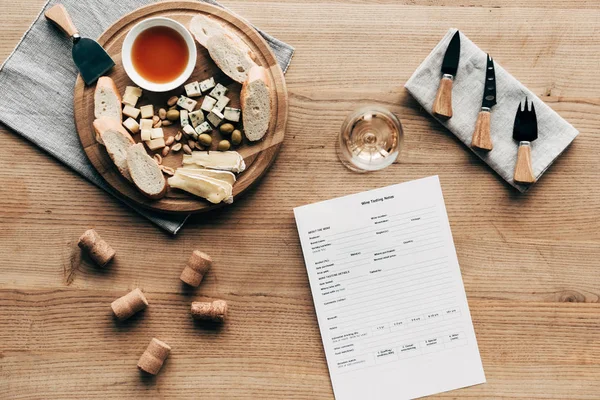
x: 89, y: 57
x: 481, y: 136
x: 525, y: 131
x: 442, y: 106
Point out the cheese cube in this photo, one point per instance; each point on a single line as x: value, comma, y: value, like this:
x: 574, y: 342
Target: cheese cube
x: 196, y: 118
x: 192, y: 89
x: 218, y: 91
x: 132, y: 112
x: 146, y: 135
x: 232, y: 114
x: 130, y: 99
x: 208, y: 104
x: 215, y: 117
x: 183, y: 118
x: 157, y: 133
x: 147, y: 111
x: 156, y: 144
x: 186, y: 103
x: 207, y: 84
x: 132, y: 125
x: 221, y: 103
x: 133, y: 90
x: 189, y: 130
x: 145, y: 124
x: 203, y: 128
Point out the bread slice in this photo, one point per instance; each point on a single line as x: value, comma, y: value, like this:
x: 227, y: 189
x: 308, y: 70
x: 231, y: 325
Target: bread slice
x: 145, y: 172
x: 226, y: 49
x: 107, y: 100
x: 116, y: 140
x: 255, y: 99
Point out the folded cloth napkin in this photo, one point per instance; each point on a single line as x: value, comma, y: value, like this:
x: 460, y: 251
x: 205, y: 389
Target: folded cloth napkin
x: 38, y: 78
x: 554, y: 133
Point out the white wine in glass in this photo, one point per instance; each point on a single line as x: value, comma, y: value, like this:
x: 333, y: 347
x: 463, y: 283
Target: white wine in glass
x: 370, y: 139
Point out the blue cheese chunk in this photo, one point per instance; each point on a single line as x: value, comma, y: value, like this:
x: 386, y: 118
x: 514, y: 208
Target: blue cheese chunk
x: 219, y: 91
x: 186, y: 103
x: 203, y: 128
x: 207, y: 84
x: 215, y: 117
x: 196, y: 118
x: 208, y: 104
x: 221, y: 103
x: 232, y: 114
x: 192, y: 89
x: 183, y: 118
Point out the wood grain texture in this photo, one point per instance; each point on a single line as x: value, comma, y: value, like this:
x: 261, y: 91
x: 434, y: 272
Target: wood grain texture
x: 442, y: 105
x: 523, y: 168
x: 533, y: 281
x: 258, y: 156
x: 482, y: 138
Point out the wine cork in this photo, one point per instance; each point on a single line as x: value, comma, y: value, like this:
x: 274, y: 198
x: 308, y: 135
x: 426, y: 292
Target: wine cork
x: 197, y: 266
x: 213, y: 311
x: 99, y: 251
x: 153, y: 358
x: 124, y: 307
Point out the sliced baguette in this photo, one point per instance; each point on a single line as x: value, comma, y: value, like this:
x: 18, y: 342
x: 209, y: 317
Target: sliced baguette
x: 145, y: 172
x: 107, y: 100
x: 255, y: 99
x: 116, y: 140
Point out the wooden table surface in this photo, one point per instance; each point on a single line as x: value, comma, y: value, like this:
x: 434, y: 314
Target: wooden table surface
x: 530, y: 263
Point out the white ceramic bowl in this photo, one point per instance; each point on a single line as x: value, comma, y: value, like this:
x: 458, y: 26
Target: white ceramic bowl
x: 128, y: 44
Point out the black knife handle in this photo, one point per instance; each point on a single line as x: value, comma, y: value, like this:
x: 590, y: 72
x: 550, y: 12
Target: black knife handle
x: 482, y: 138
x: 523, y: 169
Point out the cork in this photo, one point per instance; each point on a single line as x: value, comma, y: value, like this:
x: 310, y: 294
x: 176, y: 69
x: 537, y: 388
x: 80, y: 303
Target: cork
x: 98, y: 250
x: 213, y: 311
x: 197, y: 266
x: 153, y: 358
x: 124, y: 307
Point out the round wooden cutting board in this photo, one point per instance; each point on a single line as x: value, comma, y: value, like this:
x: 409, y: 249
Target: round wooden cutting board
x: 257, y: 156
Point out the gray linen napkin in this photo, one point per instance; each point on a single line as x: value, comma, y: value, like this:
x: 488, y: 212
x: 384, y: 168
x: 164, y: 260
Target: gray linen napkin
x: 40, y: 76
x: 554, y: 133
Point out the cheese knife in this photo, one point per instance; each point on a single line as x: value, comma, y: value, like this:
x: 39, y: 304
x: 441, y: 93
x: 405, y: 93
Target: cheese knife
x: 481, y: 137
x: 525, y: 131
x: 89, y: 57
x: 442, y: 106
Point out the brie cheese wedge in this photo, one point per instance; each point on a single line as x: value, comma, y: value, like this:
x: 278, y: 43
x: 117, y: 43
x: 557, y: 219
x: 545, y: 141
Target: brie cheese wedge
x: 223, y: 160
x: 213, y: 190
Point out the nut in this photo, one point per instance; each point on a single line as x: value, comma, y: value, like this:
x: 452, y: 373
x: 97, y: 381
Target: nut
x: 223, y: 145
x: 166, y: 122
x: 192, y: 144
x: 172, y: 101
x: 173, y: 115
x: 226, y: 129
x: 155, y: 119
x: 162, y: 113
x: 176, y: 147
x: 186, y: 149
x: 205, y: 139
x: 166, y: 151
x: 236, y: 137
x: 158, y: 124
x: 173, y: 108
x: 158, y: 159
x: 167, y: 170
x: 169, y: 141
x: 178, y: 136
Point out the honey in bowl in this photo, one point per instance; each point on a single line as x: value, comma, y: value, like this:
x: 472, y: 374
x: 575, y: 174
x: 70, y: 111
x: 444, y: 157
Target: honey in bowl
x: 159, y: 54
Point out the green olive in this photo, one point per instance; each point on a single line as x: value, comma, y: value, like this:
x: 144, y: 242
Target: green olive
x: 173, y: 115
x: 224, y: 145
x: 226, y: 129
x: 236, y: 137
x: 205, y: 139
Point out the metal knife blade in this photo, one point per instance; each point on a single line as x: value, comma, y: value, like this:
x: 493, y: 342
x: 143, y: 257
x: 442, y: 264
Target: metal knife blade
x: 450, y: 62
x: 91, y: 59
x: 489, y: 91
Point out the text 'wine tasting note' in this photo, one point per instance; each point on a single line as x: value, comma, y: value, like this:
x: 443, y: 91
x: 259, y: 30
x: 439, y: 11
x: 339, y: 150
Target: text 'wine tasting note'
x: 388, y: 293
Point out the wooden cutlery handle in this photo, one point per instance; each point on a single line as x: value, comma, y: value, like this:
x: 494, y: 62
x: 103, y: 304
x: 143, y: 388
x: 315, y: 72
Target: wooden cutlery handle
x: 442, y: 106
x: 59, y: 15
x: 481, y: 136
x: 523, y: 169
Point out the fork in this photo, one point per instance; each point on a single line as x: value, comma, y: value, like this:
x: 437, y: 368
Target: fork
x: 525, y: 131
